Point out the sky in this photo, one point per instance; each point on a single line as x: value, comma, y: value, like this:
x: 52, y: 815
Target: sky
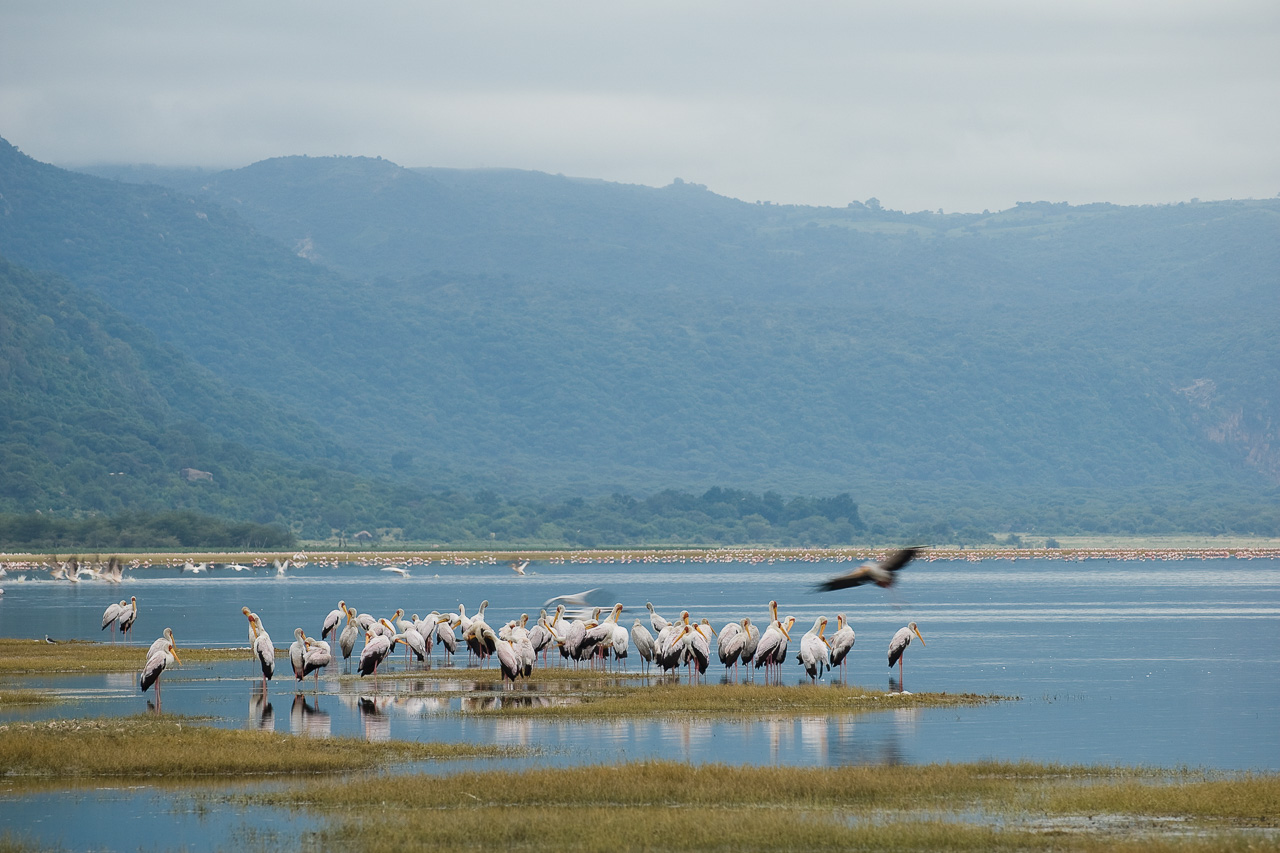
x: 922, y: 104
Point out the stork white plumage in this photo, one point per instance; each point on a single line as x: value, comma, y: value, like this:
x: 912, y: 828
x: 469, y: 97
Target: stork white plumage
x: 317, y: 657
x: 350, y: 633
x: 155, y: 665
x: 333, y: 620
x: 841, y: 644
x: 658, y: 622
x: 815, y: 655
x: 898, y: 649
x: 643, y: 642
x: 298, y: 653
x: 166, y: 638
x: 261, y: 646
x: 111, y: 615
x: 128, y: 617
x: 733, y: 637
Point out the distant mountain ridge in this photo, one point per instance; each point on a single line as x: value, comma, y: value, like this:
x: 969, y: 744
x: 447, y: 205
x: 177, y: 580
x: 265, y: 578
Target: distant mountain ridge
x: 539, y: 334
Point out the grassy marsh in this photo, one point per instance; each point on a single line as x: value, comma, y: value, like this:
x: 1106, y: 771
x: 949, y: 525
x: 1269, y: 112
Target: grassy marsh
x: 149, y: 746
x: 18, y: 698
x: 678, y: 806
x: 733, y: 700
x: 77, y: 656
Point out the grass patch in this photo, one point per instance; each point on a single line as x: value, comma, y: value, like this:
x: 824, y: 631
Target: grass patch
x: 145, y: 746
x: 18, y: 698
x: 18, y: 657
x: 683, y: 807
x: 732, y: 700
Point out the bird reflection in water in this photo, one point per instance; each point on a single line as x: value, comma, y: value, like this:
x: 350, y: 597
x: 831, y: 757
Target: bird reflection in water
x: 774, y: 731
x: 374, y: 718
x: 261, y: 715
x: 813, y: 739
x: 307, y: 719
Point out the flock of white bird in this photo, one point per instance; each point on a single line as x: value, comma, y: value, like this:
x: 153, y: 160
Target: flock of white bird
x: 579, y: 638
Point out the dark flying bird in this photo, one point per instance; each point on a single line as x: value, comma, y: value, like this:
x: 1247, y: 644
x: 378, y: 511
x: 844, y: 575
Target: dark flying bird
x: 881, y: 573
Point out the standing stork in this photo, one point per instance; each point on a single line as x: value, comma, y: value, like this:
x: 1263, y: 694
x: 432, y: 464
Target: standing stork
x: 815, y: 654
x: 643, y: 641
x: 158, y: 645
x: 155, y: 665
x: 347, y: 639
x: 898, y: 648
x: 331, y: 622
x: 128, y: 616
x: 298, y: 653
x: 841, y: 644
x: 317, y: 657
x: 655, y: 620
x: 261, y: 646
x: 772, y: 649
x: 111, y: 615
x: 729, y: 647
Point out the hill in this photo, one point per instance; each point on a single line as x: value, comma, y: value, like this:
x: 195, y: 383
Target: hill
x: 541, y: 335
x: 96, y: 416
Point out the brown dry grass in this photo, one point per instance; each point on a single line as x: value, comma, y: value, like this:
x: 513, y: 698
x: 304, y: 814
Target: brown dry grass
x: 76, y: 656
x: 664, y: 806
x: 146, y: 746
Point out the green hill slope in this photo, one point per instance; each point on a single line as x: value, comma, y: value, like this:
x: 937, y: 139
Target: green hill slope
x: 96, y: 416
x: 532, y: 333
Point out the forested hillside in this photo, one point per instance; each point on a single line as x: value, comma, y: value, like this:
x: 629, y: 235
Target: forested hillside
x: 536, y: 335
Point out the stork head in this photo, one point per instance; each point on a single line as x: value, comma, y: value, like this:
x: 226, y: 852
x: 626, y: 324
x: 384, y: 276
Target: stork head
x: 916, y: 630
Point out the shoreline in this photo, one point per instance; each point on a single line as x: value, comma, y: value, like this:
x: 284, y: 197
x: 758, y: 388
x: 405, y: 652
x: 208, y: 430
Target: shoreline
x: 1072, y: 549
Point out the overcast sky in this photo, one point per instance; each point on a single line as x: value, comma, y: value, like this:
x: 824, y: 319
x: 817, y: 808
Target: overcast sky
x: 930, y: 104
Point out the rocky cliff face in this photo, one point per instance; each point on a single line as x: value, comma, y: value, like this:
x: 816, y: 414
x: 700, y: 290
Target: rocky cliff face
x: 1249, y: 430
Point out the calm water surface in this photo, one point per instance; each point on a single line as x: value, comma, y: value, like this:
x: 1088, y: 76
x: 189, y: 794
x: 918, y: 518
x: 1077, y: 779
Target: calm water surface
x: 1153, y: 663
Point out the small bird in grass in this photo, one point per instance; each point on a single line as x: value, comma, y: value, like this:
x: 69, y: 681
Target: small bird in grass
x: 881, y: 573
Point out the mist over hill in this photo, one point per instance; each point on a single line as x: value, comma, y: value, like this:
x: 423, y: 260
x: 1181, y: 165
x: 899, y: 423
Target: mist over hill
x: 546, y: 336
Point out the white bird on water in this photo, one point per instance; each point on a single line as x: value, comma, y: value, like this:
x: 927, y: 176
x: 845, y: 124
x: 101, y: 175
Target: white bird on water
x: 815, y: 654
x: 158, y: 645
x: 298, y: 652
x: 261, y: 645
x: 155, y: 665
x: 128, y: 616
x: 111, y: 615
x: 898, y: 647
x: 317, y: 657
x: 841, y: 643
x: 333, y: 620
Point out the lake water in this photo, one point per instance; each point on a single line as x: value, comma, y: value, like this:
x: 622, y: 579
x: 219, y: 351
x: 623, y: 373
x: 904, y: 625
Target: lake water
x: 1117, y: 662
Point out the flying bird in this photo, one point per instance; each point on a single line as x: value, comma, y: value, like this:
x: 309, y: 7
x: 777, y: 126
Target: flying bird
x: 882, y: 574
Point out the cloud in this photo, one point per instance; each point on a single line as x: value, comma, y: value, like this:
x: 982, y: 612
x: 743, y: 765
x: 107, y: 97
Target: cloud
x: 922, y: 104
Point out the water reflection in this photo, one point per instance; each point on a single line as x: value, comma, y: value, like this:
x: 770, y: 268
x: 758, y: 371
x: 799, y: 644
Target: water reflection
x: 1182, y: 672
x: 306, y: 718
x: 374, y: 717
x: 261, y: 715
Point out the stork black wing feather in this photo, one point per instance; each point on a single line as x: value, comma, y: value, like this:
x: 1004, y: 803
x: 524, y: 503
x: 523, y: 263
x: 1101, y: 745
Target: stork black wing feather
x: 900, y: 558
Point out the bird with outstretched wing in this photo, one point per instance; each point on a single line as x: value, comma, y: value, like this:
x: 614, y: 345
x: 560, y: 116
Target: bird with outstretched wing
x: 880, y: 573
